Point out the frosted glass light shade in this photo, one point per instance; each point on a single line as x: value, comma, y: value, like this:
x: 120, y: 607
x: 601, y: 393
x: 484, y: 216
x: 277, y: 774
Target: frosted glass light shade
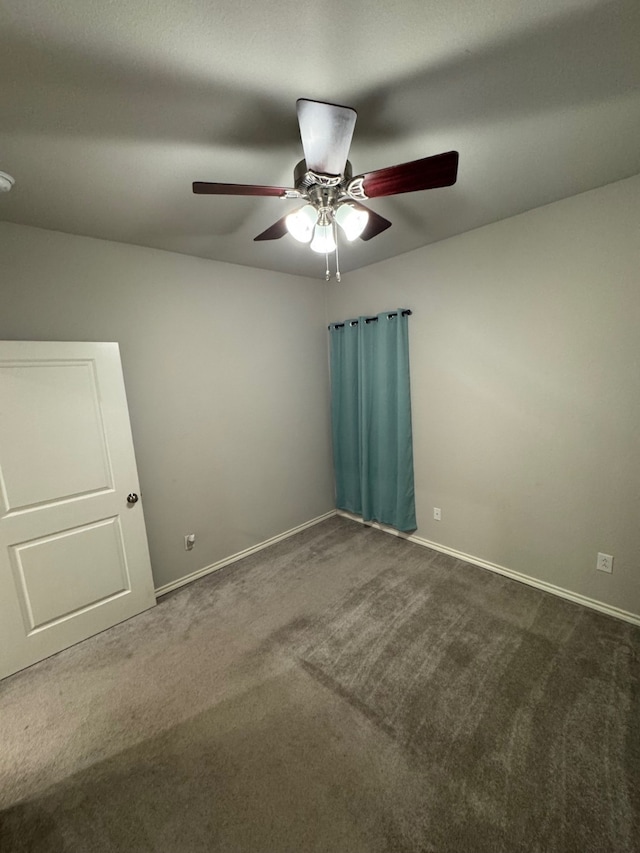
x: 323, y: 239
x: 352, y: 220
x: 300, y: 223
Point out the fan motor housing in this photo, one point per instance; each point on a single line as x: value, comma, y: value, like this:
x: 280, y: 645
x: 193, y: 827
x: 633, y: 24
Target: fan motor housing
x: 303, y: 178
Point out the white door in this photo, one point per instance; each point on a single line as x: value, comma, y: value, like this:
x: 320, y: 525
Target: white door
x: 74, y: 558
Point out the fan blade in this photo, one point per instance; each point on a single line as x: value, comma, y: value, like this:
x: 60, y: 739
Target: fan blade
x: 326, y: 131
x: 438, y: 171
x: 376, y: 224
x: 275, y: 231
x: 204, y: 188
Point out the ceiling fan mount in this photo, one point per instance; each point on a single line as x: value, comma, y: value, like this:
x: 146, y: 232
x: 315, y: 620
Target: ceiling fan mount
x: 324, y: 181
x: 304, y: 177
x: 322, y: 191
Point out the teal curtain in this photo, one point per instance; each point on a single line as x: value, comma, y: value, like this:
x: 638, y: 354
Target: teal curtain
x: 371, y: 418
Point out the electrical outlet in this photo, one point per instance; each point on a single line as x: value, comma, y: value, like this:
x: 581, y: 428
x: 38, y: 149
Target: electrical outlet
x: 189, y: 541
x: 437, y: 513
x: 605, y: 563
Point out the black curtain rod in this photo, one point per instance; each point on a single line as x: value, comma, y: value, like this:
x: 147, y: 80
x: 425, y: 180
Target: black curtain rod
x: 405, y: 313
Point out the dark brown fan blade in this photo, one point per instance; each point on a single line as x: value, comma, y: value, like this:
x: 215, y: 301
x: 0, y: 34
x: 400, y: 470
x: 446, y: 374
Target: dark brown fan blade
x: 326, y: 131
x: 275, y: 231
x: 204, y: 188
x: 376, y: 224
x: 428, y: 173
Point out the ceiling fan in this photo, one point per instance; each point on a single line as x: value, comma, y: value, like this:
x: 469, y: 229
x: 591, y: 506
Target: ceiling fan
x: 324, y: 180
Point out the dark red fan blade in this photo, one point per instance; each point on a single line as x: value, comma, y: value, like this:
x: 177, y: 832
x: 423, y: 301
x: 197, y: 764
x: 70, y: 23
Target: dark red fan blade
x: 204, y: 188
x: 376, y: 224
x: 326, y: 131
x: 275, y: 231
x: 438, y: 171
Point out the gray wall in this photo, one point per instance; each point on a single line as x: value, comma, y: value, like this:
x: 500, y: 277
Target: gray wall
x: 525, y: 360
x: 525, y: 348
x: 226, y: 377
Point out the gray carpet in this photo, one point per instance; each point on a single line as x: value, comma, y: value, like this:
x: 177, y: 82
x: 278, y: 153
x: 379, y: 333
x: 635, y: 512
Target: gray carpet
x: 343, y: 691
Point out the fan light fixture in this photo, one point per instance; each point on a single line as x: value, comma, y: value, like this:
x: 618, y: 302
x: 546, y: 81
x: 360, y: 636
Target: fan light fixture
x: 301, y: 222
x: 323, y: 240
x: 353, y: 220
x: 308, y: 225
x: 6, y: 182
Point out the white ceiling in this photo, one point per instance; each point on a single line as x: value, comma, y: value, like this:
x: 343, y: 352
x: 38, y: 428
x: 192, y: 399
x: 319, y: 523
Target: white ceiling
x: 109, y: 109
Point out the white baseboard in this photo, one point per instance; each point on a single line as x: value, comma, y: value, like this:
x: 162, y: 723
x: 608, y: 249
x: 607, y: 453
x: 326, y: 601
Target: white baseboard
x: 200, y: 573
x: 616, y: 612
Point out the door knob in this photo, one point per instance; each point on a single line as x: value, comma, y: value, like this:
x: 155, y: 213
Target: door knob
x: 132, y: 498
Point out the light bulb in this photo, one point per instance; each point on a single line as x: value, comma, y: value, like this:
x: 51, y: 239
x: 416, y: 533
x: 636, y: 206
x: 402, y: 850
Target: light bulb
x: 323, y: 241
x: 352, y: 220
x: 300, y: 223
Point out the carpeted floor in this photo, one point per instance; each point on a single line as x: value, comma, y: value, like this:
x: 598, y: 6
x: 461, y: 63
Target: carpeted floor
x: 343, y: 691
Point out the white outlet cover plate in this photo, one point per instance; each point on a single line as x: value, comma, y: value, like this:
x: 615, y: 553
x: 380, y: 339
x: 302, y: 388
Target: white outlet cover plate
x: 605, y: 563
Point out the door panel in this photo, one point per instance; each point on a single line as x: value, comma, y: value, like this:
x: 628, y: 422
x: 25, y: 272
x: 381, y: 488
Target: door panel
x: 52, y: 423
x: 74, y: 558
x: 51, y: 574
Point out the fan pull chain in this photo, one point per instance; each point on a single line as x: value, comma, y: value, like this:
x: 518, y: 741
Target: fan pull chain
x: 335, y: 237
x: 327, y: 273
